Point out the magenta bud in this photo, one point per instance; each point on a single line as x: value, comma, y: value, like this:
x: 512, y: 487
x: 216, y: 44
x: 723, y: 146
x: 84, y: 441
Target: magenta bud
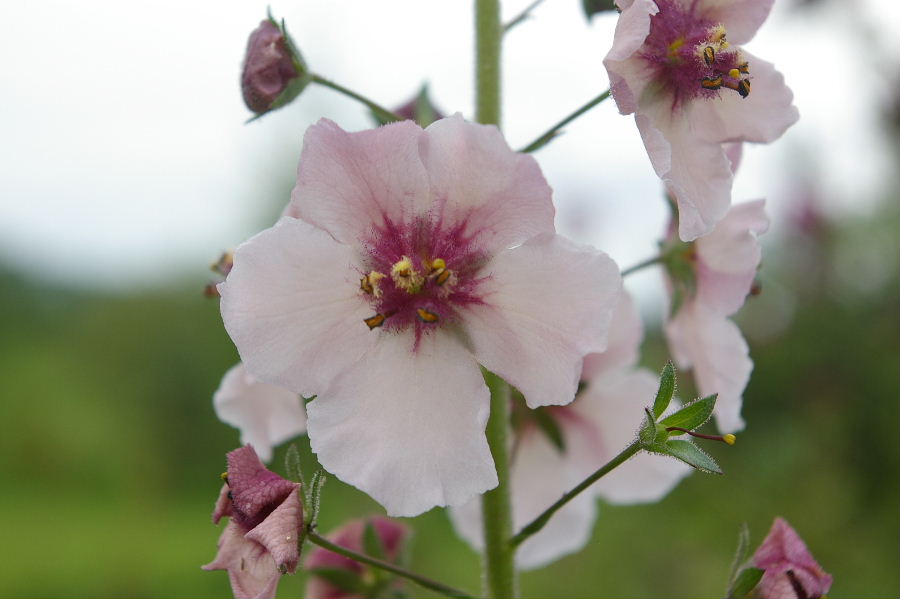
x: 791, y: 570
x: 274, y: 72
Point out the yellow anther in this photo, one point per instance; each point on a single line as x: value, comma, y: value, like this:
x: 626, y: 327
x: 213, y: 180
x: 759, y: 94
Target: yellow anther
x: 711, y: 82
x: 744, y: 88
x: 437, y: 264
x: 224, y: 476
x: 729, y: 438
x: 744, y: 68
x: 369, y: 283
x: 734, y: 74
x: 426, y: 316
x: 405, y: 276
x: 709, y: 55
x: 374, y: 321
x: 674, y: 47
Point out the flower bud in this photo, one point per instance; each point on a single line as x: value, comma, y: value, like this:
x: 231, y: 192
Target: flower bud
x: 274, y: 72
x: 791, y: 570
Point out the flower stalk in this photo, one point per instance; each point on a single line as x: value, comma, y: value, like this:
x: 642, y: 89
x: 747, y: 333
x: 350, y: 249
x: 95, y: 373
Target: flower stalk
x: 438, y: 587
x: 381, y: 111
x: 553, y: 131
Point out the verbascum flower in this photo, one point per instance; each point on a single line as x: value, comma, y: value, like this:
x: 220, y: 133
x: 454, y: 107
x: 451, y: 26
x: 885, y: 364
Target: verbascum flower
x: 417, y: 255
x: 390, y: 536
x: 586, y: 434
x: 678, y: 66
x: 259, y: 544
x: 701, y: 336
x: 790, y: 569
x: 267, y: 415
x: 274, y: 72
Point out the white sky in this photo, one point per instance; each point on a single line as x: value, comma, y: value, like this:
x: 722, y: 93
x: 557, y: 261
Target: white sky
x: 125, y: 160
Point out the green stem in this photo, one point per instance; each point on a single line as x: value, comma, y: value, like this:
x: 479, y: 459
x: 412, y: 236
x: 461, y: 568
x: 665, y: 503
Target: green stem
x: 488, y: 37
x: 496, y: 504
x: 640, y: 265
x: 525, y: 14
x: 377, y: 108
x: 554, y: 130
x: 433, y: 585
x: 539, y: 522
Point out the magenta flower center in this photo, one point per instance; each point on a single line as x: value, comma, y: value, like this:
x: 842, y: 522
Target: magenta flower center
x: 419, y: 275
x: 691, y: 56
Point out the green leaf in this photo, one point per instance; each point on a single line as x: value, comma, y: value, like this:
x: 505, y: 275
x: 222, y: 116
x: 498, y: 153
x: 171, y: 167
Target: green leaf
x: 592, y: 7
x: 346, y: 580
x: 740, y: 554
x: 372, y: 542
x: 666, y: 390
x: 550, y: 428
x: 693, y: 415
x: 292, y: 464
x: 690, y: 454
x: 647, y: 434
x: 746, y: 581
x: 313, y: 497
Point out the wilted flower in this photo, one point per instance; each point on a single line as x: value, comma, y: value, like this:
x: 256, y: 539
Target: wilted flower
x: 389, y: 535
x: 274, y: 72
x: 420, y: 254
x: 690, y: 89
x: 791, y: 570
x: 266, y: 415
x: 722, y: 268
x: 259, y: 544
x: 557, y: 448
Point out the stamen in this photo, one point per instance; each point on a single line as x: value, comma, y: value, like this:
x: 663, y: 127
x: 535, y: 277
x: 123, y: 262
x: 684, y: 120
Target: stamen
x: 742, y: 87
x: 426, y: 316
x: 744, y: 68
x: 709, y: 55
x: 729, y: 438
x: 734, y: 74
x: 442, y: 276
x: 405, y: 276
x: 717, y: 37
x: 369, y: 283
x: 374, y: 321
x: 438, y: 264
x: 224, y: 476
x: 711, y: 82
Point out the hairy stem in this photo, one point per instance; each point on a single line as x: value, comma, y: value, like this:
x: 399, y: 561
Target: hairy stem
x: 438, y: 587
x: 488, y: 38
x: 539, y: 522
x: 377, y: 108
x: 642, y: 265
x: 553, y: 131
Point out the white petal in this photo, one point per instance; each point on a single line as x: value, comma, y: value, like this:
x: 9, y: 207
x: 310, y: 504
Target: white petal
x: 714, y: 347
x: 547, y: 304
x: 612, y: 409
x: 292, y: 306
x: 500, y: 196
x: 629, y: 76
x: 407, y: 426
x: 696, y: 170
x: 729, y: 256
x: 266, y: 415
x: 348, y: 183
x: 625, y: 336
x: 539, y: 475
x: 741, y: 18
x: 762, y: 117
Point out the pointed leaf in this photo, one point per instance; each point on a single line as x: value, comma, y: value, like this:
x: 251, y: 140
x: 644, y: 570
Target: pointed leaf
x: 746, y: 582
x: 691, y: 455
x: 346, y: 580
x: 740, y: 554
x: 372, y: 542
x: 647, y: 434
x: 292, y: 464
x: 693, y: 415
x: 666, y: 390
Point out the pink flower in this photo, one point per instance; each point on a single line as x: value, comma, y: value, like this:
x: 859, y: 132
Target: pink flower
x: 791, y: 570
x: 700, y: 335
x: 689, y: 88
x: 420, y: 255
x: 391, y: 535
x: 599, y: 424
x: 259, y: 544
x: 271, y: 65
x: 266, y: 415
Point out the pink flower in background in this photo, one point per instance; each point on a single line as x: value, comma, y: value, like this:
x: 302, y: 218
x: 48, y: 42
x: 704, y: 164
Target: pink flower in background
x: 259, y: 544
x: 600, y: 423
x: 700, y: 334
x: 391, y: 535
x: 677, y: 66
x: 791, y: 570
x: 420, y: 255
x: 266, y: 415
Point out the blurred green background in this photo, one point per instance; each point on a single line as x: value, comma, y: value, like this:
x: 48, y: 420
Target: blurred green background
x: 111, y: 451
